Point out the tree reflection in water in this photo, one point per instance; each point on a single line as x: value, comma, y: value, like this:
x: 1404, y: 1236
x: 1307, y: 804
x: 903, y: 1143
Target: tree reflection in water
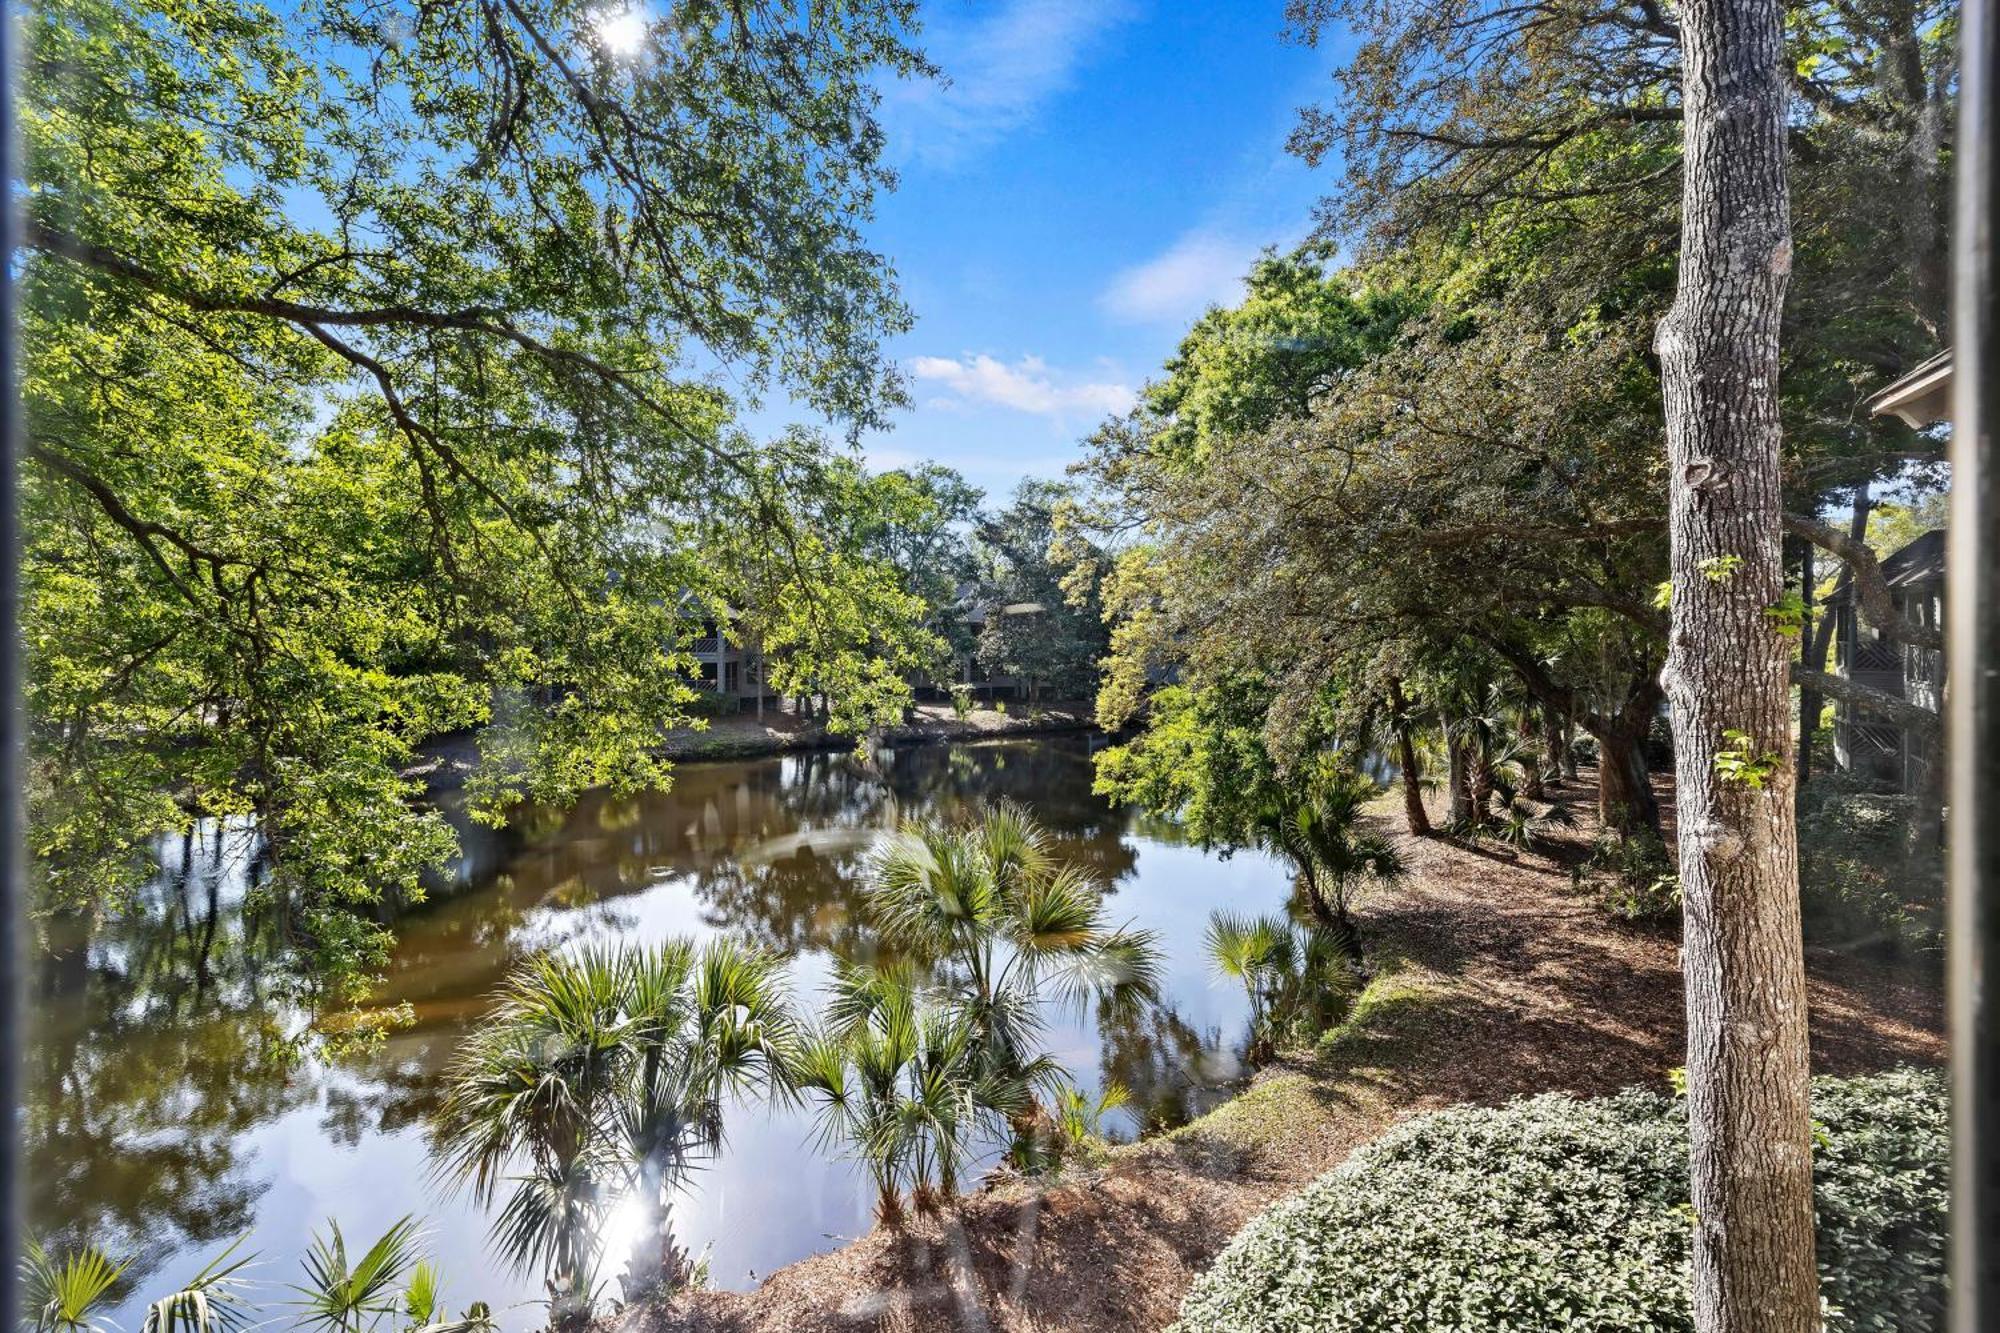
x: 161, y: 1047
x: 156, y: 1045
x: 1172, y: 1071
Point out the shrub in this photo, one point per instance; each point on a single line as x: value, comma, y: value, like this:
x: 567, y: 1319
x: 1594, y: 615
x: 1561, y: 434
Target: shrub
x: 706, y: 703
x: 1555, y: 1213
x: 1633, y: 877
x: 1866, y: 873
x: 1525, y: 825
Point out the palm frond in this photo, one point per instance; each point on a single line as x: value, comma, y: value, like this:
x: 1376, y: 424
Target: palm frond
x: 215, y: 1300
x: 1013, y: 844
x: 1062, y: 913
x: 62, y: 1295
x: 423, y: 1299
x: 341, y: 1296
x: 1119, y: 970
x: 1243, y: 948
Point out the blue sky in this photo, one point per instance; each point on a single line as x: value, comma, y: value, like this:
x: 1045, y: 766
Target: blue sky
x: 1096, y: 174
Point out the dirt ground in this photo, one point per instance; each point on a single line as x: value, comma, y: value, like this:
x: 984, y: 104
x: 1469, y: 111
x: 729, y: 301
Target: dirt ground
x: 1495, y: 979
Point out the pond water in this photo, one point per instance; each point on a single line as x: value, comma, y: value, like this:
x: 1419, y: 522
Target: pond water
x: 167, y: 1115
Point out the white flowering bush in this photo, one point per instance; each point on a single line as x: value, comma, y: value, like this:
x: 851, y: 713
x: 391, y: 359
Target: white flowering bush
x: 1558, y: 1213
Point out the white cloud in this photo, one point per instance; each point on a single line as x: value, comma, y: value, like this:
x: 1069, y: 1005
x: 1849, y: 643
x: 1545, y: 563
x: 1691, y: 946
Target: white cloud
x: 1026, y: 386
x: 999, y: 70
x: 1197, y: 271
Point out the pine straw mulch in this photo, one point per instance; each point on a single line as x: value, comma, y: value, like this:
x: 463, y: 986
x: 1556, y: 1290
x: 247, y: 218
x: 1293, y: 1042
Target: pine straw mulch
x: 1495, y: 979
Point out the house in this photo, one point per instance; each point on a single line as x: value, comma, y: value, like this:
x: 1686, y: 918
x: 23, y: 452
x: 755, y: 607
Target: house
x: 1921, y: 398
x: 729, y: 668
x: 1866, y: 743
x: 972, y: 607
x: 733, y: 668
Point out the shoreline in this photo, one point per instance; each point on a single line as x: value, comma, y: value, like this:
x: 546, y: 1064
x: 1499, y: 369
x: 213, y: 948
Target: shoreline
x: 446, y: 762
x: 1494, y: 980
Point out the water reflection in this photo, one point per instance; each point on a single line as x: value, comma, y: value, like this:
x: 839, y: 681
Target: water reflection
x: 157, y: 1049
x: 164, y: 1115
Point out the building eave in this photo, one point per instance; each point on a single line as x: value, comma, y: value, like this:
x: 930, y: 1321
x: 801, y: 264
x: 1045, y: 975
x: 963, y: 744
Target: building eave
x: 1921, y: 398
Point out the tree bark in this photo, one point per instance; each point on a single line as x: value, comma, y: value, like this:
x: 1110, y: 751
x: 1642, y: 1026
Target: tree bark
x: 1532, y: 767
x: 1728, y: 671
x: 1625, y: 799
x: 1414, y: 814
x: 1919, y: 721
x: 1554, y: 748
x: 1459, y: 778
x: 1480, y: 779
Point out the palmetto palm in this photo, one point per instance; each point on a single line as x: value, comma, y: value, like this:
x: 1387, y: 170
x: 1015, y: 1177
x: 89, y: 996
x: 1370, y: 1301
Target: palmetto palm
x: 708, y: 1025
x: 64, y: 1295
x: 1319, y: 830
x: 1294, y: 976
x: 900, y: 1083
x: 604, y: 1072
x: 1007, y: 929
x: 424, y: 1308
x: 343, y: 1295
x: 1254, y: 951
x: 215, y: 1300
x: 532, y: 1091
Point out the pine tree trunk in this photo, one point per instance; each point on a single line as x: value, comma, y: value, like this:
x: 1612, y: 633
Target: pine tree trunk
x: 1727, y: 671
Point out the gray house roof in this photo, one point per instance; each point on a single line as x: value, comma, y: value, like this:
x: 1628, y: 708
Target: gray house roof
x: 1908, y: 568
x: 1921, y: 562
x: 1921, y: 398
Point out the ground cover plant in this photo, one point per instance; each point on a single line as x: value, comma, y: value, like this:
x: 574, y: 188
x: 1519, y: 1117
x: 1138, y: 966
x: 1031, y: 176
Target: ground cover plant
x: 1558, y: 1213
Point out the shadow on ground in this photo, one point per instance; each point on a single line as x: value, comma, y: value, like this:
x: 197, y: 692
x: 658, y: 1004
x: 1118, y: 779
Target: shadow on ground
x: 1495, y: 979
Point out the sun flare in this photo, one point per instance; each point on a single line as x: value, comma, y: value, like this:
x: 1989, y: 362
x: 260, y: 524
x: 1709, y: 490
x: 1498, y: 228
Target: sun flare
x: 622, y: 32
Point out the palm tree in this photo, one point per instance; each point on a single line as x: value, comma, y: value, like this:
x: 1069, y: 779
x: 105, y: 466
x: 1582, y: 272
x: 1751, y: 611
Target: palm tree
x: 337, y: 1296
x: 708, y: 1025
x: 1299, y: 979
x: 212, y: 1301
x: 1007, y: 929
x: 600, y: 1073
x: 1320, y: 832
x: 1079, y: 1118
x: 343, y: 1296
x: 1524, y: 825
x: 64, y: 1295
x: 532, y: 1090
x: 899, y: 1081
